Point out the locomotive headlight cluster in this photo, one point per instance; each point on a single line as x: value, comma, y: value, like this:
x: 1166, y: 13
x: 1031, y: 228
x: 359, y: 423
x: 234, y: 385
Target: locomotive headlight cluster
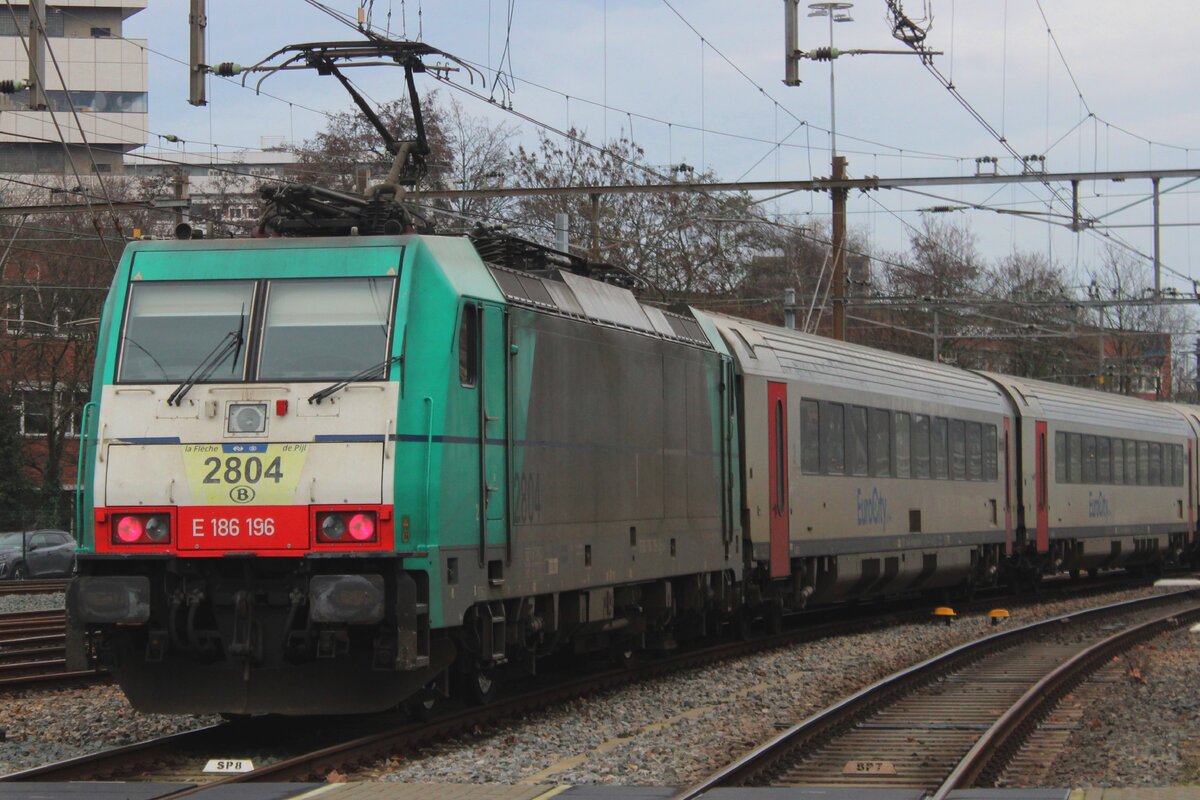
x: 246, y: 418
x: 141, y: 529
x: 347, y: 526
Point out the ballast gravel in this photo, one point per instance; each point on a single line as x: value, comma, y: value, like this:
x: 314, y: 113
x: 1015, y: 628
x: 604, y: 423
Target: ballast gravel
x: 675, y: 730
x: 15, y: 603
x: 669, y: 731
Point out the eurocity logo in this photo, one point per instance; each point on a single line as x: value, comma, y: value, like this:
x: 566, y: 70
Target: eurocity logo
x: 1098, y: 506
x: 872, y: 508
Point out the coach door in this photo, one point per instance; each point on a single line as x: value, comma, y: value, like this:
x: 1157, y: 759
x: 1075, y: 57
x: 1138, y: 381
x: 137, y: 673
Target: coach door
x: 1191, y: 490
x: 493, y: 422
x: 1043, y: 489
x: 778, y: 475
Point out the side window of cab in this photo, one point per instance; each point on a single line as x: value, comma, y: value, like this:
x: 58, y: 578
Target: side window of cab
x: 468, y: 346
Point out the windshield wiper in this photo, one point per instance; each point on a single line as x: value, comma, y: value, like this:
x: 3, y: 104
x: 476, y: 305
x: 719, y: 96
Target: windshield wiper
x: 333, y: 388
x: 230, y: 343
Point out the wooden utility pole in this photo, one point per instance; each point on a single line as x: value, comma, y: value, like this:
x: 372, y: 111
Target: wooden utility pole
x: 839, y: 253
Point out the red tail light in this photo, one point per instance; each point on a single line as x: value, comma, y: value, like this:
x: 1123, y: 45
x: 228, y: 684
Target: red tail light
x: 362, y: 527
x: 142, y: 529
x: 357, y: 527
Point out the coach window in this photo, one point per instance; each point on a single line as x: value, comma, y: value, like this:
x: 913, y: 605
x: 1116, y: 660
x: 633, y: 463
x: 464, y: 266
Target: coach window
x: 1103, y: 459
x: 903, y: 445
x: 810, y: 437
x: 1177, y: 460
x: 1118, y: 461
x: 920, y: 446
x: 1089, y: 459
x: 1060, y: 457
x: 989, y: 452
x: 1143, y: 463
x: 879, y: 436
x: 833, y: 444
x: 939, y: 443
x: 1156, y: 471
x: 856, y: 440
x: 1075, y: 457
x: 974, y: 456
x: 1168, y: 467
x: 468, y: 346
x: 958, y: 450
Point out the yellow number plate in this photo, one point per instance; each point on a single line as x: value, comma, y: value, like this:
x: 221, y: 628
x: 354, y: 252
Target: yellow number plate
x: 244, y: 474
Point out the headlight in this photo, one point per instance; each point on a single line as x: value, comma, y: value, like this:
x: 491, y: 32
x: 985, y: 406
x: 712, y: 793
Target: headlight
x: 247, y: 418
x: 140, y: 528
x: 333, y: 526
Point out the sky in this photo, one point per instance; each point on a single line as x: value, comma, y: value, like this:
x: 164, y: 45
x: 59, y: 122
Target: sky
x: 1089, y: 84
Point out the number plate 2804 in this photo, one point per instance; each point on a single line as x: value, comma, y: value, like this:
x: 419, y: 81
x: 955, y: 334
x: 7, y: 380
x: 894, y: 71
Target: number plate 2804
x: 244, y: 474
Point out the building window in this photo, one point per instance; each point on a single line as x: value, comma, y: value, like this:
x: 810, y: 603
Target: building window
x: 15, y: 22
x: 101, y: 33
x: 34, y: 313
x: 38, y: 408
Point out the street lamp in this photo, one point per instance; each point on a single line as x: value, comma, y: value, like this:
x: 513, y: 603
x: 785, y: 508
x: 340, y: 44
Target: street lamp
x: 837, y: 12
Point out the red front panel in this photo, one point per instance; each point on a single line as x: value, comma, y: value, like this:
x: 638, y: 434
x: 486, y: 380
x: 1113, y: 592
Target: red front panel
x: 269, y: 530
x: 243, y: 528
x: 778, y: 476
x: 1042, y: 493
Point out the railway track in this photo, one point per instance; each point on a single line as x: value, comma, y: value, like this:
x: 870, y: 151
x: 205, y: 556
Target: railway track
x: 33, y: 650
x: 49, y: 586
x: 303, y: 750
x: 954, y: 721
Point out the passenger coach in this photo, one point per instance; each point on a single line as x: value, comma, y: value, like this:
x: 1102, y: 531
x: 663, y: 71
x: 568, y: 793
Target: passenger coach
x: 868, y: 472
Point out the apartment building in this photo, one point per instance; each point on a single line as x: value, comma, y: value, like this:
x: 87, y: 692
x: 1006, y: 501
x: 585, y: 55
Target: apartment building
x: 99, y: 73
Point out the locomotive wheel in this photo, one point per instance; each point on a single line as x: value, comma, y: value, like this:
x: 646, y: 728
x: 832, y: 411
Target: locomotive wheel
x: 480, y: 684
x: 774, y: 617
x: 623, y: 655
x: 743, y: 621
x: 424, y: 704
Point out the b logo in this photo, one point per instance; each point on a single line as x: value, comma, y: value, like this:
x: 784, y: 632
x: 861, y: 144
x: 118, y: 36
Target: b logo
x: 241, y: 494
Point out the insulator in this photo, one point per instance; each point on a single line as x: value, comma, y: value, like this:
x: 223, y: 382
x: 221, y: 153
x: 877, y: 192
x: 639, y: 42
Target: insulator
x: 821, y: 54
x: 11, y: 86
x: 226, y: 69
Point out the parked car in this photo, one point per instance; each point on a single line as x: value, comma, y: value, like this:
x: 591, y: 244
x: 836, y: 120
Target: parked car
x: 36, y: 554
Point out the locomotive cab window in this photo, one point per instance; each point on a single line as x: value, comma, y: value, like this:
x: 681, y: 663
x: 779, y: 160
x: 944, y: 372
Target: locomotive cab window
x: 172, y: 327
x: 468, y: 346
x: 326, y: 329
